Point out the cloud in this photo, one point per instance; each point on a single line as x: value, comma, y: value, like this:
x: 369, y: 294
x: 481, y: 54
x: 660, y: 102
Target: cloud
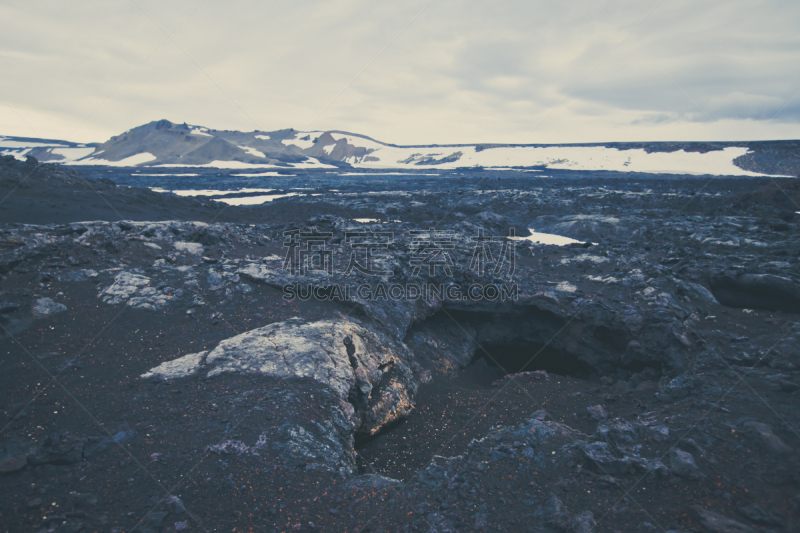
x: 409, y: 72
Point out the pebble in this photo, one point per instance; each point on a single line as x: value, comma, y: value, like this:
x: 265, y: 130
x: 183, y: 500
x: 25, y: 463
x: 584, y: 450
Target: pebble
x: 13, y: 464
x: 682, y: 464
x: 597, y: 412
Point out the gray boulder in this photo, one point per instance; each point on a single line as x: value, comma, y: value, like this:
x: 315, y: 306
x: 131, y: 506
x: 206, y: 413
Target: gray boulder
x: 368, y: 370
x: 682, y: 464
x: 45, y: 307
x: 719, y: 523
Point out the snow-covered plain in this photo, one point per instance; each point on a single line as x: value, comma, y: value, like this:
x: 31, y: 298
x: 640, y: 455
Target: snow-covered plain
x: 719, y: 162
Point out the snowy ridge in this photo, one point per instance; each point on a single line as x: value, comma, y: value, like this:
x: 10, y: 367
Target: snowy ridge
x: 164, y: 144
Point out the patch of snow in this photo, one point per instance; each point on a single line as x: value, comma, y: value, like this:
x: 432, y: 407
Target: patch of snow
x: 303, y: 144
x: 515, y: 169
x: 312, y: 162
x: 131, y: 161
x: 384, y: 174
x: 143, y: 174
x: 263, y: 137
x: 71, y: 154
x: 598, y: 218
x: 566, y: 286
x: 191, y: 247
x: 254, y: 200
x: 207, y: 192
x: 545, y: 238
x: 252, y: 151
x: 597, y: 259
x: 609, y: 279
x: 201, y: 131
x: 258, y: 174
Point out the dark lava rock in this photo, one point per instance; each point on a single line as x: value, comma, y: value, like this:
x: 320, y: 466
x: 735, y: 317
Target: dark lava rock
x: 8, y: 307
x: 13, y: 464
x: 58, y: 449
x: 759, y: 515
x: 682, y: 464
x: 757, y: 291
x: 719, y: 523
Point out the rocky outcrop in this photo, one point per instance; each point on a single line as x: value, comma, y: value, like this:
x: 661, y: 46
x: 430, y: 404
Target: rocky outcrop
x: 45, y: 307
x: 369, y: 372
x: 133, y: 289
x: 757, y: 291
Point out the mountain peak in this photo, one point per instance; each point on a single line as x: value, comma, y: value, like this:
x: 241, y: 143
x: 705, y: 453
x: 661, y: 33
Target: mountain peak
x: 163, y: 124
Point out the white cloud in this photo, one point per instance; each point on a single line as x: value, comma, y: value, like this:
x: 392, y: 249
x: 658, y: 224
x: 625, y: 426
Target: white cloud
x: 513, y: 71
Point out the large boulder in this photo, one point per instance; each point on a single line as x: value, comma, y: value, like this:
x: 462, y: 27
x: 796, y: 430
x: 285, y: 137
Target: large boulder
x: 757, y: 291
x: 45, y: 307
x: 367, y: 369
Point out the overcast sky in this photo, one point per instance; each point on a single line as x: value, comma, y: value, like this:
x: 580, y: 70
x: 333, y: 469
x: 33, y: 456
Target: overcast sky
x: 406, y: 72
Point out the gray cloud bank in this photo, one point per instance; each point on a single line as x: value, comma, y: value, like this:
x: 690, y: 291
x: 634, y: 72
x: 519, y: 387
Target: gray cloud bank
x: 408, y: 72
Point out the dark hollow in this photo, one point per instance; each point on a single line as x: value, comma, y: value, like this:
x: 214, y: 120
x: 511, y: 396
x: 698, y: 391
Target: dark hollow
x: 362, y: 439
x: 521, y: 356
x: 734, y: 296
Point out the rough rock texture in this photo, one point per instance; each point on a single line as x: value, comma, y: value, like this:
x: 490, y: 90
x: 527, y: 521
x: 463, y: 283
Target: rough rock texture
x: 271, y: 422
x: 125, y: 285
x: 682, y: 464
x: 59, y: 449
x: 46, y: 307
x: 13, y: 464
x: 764, y: 432
x: 133, y: 289
x: 367, y: 370
x: 757, y: 291
x: 719, y: 523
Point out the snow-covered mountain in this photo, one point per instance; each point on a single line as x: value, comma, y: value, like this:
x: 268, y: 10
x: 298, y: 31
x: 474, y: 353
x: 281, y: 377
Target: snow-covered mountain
x: 162, y: 143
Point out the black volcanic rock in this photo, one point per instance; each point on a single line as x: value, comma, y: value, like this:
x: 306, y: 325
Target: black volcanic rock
x: 41, y: 193
x: 614, y: 367
x: 757, y: 291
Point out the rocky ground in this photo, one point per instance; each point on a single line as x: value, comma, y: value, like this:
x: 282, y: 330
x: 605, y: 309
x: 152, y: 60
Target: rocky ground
x: 158, y: 375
